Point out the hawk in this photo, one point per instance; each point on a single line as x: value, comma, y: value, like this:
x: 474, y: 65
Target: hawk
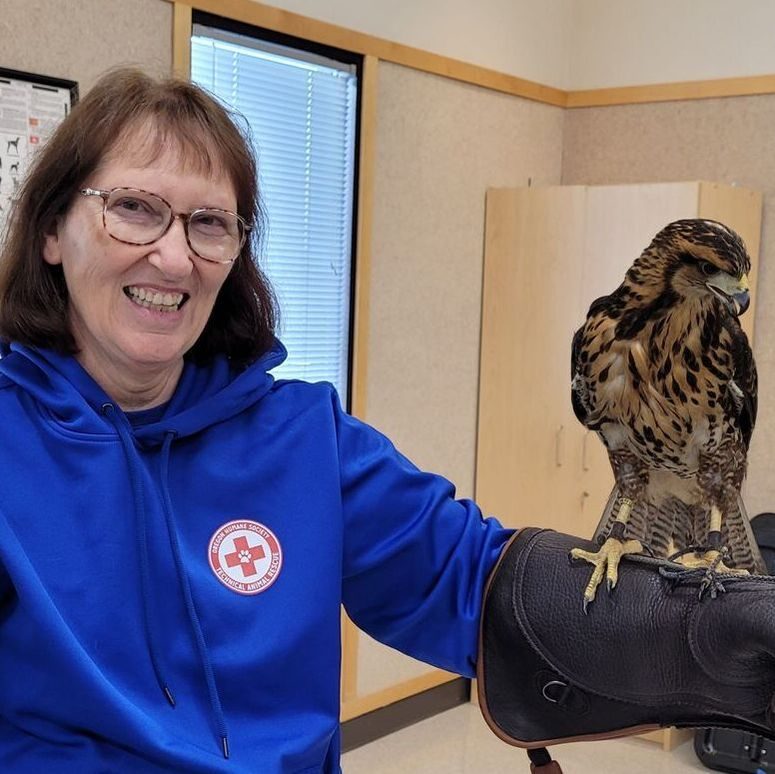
x: 663, y: 372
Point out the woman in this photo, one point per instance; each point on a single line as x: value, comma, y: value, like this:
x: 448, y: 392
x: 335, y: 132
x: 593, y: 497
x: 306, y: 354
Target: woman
x: 178, y: 530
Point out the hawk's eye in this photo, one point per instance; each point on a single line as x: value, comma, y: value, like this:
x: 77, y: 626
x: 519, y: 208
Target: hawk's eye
x: 707, y: 268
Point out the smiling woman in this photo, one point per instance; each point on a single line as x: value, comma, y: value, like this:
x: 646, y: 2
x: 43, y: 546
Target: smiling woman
x: 209, y: 519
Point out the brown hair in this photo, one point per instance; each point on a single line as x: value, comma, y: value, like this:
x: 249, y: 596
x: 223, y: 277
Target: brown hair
x: 33, y: 294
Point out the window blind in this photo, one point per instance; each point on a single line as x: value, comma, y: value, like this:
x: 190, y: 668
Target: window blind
x: 301, y: 109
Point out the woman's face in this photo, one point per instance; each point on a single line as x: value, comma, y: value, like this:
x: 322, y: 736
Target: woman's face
x: 107, y: 280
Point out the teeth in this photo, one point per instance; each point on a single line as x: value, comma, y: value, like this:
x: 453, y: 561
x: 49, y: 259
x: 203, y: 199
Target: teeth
x: 159, y: 302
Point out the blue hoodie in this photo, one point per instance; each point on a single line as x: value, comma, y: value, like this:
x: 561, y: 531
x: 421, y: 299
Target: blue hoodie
x: 170, y: 591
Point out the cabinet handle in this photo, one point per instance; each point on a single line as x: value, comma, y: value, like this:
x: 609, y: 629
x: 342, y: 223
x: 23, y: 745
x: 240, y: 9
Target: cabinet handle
x: 584, y: 465
x: 558, y: 447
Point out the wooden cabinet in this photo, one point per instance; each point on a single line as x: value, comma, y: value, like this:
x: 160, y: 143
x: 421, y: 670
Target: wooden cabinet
x: 549, y: 252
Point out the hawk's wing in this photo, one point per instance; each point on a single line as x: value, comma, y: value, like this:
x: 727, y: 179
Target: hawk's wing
x: 578, y: 390
x: 745, y: 403
x: 579, y: 396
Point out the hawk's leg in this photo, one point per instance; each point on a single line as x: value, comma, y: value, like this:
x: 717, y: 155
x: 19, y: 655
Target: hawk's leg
x: 719, y: 477
x: 606, y: 560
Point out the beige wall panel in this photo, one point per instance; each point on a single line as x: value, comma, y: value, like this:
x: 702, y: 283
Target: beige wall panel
x: 440, y: 145
x: 724, y: 140
x: 79, y: 39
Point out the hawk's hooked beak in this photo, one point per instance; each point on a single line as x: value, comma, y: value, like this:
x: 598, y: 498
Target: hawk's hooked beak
x: 734, y: 293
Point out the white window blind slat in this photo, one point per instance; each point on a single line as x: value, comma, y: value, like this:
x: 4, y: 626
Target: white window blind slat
x: 301, y: 112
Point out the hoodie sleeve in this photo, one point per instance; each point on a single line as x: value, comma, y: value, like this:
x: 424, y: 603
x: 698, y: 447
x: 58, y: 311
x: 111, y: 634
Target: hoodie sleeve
x: 415, y: 559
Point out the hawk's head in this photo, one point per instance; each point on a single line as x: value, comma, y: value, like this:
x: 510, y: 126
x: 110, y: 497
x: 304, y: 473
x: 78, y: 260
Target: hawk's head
x: 697, y: 258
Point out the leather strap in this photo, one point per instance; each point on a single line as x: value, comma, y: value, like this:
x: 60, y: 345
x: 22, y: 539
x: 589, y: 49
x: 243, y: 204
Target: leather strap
x: 541, y: 762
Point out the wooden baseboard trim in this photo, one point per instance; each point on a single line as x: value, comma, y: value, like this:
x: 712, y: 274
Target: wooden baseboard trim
x: 386, y: 720
x: 669, y: 738
x: 355, y: 705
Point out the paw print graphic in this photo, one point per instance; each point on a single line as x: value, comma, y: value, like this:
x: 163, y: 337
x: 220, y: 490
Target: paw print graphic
x: 244, y: 556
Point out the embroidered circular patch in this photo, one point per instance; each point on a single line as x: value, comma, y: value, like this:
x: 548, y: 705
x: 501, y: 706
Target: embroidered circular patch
x: 245, y: 556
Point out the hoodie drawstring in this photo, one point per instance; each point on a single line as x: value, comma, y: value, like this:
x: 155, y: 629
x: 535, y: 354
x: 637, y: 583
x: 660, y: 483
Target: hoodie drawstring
x: 133, y: 463
x: 108, y: 409
x: 193, y: 617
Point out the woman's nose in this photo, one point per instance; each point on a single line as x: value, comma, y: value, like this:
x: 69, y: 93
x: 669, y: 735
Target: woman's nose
x: 171, y: 253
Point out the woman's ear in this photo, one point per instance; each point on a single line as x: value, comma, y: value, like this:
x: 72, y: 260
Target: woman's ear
x: 52, y: 253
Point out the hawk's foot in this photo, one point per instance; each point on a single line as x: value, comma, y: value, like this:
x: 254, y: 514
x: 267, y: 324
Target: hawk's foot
x: 711, y: 559
x: 606, y: 563
x: 704, y: 563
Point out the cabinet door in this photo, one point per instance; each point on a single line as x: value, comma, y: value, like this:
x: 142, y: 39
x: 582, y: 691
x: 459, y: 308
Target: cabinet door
x: 534, y: 241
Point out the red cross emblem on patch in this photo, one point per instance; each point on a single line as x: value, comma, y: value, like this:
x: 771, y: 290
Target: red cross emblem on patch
x: 245, y: 556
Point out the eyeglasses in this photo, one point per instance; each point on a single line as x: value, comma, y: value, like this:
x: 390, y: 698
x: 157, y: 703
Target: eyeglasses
x: 137, y: 217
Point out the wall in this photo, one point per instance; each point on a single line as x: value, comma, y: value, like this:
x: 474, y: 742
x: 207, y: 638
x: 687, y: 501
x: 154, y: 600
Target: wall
x: 440, y: 144
x: 79, y: 39
x: 725, y: 140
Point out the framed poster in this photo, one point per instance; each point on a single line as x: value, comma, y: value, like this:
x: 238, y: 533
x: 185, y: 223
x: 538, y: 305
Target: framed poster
x: 31, y: 107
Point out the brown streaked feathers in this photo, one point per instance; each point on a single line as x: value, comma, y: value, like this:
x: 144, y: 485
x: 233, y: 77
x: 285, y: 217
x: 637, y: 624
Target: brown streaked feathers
x: 663, y: 372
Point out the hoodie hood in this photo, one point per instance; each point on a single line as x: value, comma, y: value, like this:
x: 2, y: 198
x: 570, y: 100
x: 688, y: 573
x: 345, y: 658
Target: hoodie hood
x: 204, y: 396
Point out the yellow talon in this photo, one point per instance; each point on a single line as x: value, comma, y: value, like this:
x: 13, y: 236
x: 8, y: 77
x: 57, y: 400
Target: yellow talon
x: 606, y: 562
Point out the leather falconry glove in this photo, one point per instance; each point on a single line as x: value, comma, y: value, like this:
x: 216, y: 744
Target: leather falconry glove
x: 658, y: 650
